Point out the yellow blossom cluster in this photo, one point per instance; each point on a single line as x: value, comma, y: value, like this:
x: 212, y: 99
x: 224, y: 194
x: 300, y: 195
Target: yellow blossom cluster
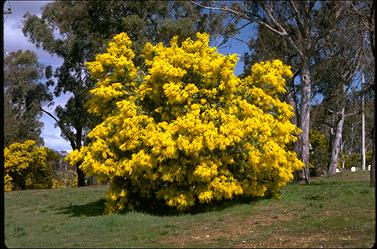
x: 115, y: 74
x: 26, y: 166
x: 185, y: 129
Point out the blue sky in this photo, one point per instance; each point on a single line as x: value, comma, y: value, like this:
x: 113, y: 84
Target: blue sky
x: 15, y: 40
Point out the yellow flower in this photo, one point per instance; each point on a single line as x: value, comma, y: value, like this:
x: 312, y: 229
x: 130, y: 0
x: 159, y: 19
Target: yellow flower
x: 185, y: 128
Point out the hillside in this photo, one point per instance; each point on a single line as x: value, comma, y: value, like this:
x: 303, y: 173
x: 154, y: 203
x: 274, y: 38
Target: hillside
x: 330, y: 212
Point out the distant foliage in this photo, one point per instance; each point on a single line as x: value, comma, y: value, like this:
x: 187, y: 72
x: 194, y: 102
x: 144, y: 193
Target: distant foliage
x: 63, y: 176
x: 186, y: 130
x: 319, y: 154
x: 26, y: 166
x: 354, y: 160
x: 23, y: 96
x: 63, y: 179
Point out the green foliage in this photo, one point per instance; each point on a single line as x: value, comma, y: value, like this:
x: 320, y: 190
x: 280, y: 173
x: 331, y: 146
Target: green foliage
x: 26, y: 166
x: 63, y: 179
x: 319, y: 154
x: 62, y: 176
x: 354, y: 160
x: 23, y: 95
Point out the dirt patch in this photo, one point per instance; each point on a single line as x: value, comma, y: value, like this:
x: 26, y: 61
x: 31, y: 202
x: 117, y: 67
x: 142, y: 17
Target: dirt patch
x: 323, y: 239
x: 263, y: 230
x: 228, y: 230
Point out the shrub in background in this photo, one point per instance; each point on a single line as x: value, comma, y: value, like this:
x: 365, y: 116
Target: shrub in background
x: 63, y: 179
x: 63, y: 176
x: 354, y: 160
x: 26, y: 166
x: 184, y: 129
x: 319, y: 154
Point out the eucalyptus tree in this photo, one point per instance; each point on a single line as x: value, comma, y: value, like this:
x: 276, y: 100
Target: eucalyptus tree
x: 23, y: 94
x: 341, y: 71
x: 304, y: 26
x: 365, y: 11
x: 78, y: 30
x: 340, y: 53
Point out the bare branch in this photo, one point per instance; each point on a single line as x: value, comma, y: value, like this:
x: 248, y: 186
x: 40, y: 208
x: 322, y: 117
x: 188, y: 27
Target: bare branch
x: 240, y: 14
x: 235, y: 38
x: 297, y: 16
x: 294, y: 8
x: 352, y: 114
x: 372, y: 30
x: 238, y: 29
x: 66, y: 133
x: 226, y: 33
x: 360, y: 92
x: 328, y: 124
x: 281, y: 32
x: 357, y: 12
x: 348, y: 75
x: 330, y: 111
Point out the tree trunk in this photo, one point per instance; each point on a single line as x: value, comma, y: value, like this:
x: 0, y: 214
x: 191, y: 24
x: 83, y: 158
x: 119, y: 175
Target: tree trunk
x: 363, y: 157
x: 336, y: 145
x: 75, y: 143
x: 80, y: 173
x: 81, y: 177
x: 291, y: 99
x: 304, y: 121
x: 373, y: 166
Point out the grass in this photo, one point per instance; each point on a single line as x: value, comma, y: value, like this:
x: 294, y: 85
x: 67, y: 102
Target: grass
x: 330, y: 212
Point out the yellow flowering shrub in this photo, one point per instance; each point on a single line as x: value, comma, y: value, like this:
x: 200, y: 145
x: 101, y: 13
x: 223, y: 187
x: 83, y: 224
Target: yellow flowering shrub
x: 26, y: 166
x: 184, y: 129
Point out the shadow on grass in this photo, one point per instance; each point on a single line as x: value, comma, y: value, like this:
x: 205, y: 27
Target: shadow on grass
x: 95, y: 208
x: 158, y: 208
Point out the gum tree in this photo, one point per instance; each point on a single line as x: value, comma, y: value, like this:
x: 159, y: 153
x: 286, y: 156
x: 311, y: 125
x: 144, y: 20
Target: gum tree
x: 23, y: 96
x: 304, y: 26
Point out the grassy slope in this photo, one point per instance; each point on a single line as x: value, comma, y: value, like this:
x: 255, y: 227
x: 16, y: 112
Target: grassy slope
x: 331, y: 212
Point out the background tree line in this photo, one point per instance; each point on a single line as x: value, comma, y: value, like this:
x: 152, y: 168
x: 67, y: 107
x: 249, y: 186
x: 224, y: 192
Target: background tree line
x: 331, y: 47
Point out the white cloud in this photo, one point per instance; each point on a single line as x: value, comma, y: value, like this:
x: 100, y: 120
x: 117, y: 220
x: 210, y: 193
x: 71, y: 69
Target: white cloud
x: 55, y: 142
x: 50, y: 133
x: 15, y: 40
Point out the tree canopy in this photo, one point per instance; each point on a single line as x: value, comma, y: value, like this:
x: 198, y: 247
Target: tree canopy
x: 23, y: 96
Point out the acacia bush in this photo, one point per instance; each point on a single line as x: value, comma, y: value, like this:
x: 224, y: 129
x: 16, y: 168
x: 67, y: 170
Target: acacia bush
x: 183, y: 129
x: 26, y: 166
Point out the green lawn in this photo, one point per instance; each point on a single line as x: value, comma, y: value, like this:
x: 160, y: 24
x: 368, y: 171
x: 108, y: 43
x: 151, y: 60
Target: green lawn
x: 330, y: 212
